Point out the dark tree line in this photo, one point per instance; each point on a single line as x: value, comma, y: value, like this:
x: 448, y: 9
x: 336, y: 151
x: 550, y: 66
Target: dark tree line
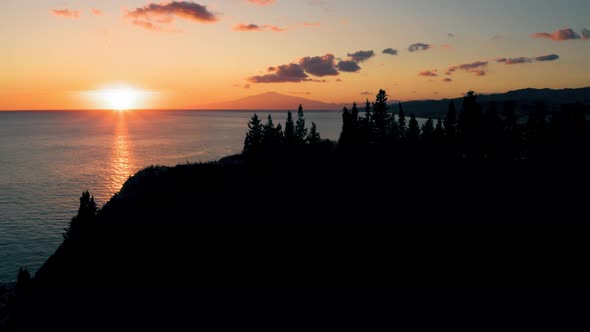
x: 474, y: 133
x: 493, y: 132
x: 266, y: 136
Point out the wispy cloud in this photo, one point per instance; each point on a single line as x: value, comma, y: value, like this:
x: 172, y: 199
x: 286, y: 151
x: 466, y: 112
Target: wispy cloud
x: 66, y: 13
x: 312, y: 24
x: 96, y: 12
x: 361, y: 56
x: 247, y: 27
x: 258, y: 28
x: 447, y: 80
x: 419, y: 47
x: 585, y: 33
x: 524, y: 60
x: 262, y: 2
x: 154, y: 16
x: 514, y: 61
x: 479, y: 68
x: 390, y: 51
x: 559, y: 35
x: 428, y: 73
x: 549, y: 57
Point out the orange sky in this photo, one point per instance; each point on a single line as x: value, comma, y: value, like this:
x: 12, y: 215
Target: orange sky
x: 57, y: 54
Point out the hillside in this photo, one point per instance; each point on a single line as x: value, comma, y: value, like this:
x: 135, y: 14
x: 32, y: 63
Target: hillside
x: 525, y: 100
x: 271, y: 101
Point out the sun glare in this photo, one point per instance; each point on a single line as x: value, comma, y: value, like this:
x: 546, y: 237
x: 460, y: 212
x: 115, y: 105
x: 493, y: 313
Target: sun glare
x: 120, y: 97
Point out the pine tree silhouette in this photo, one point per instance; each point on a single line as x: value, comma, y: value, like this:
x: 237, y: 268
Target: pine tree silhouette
x: 254, y: 136
x: 413, y: 133
x: 403, y: 128
x: 270, y: 133
x: 428, y: 130
x: 347, y: 128
x: 300, y: 130
x: 314, y: 136
x: 381, y: 116
x: 450, y: 122
x: 86, y: 214
x: 439, y: 131
x: 289, y: 129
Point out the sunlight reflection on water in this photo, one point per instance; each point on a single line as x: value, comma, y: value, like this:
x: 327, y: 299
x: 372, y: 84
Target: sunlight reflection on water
x: 121, y: 161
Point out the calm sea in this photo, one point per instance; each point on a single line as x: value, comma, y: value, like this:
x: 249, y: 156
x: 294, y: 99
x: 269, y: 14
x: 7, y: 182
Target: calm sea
x: 48, y: 158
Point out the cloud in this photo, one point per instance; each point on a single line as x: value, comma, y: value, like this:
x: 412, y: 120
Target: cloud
x: 585, y: 33
x: 428, y: 73
x: 559, y: 35
x: 153, y: 16
x: 348, y: 66
x: 517, y: 61
x: 96, y: 12
x: 390, y: 51
x: 479, y: 68
x: 549, y: 57
x: 312, y: 24
x: 66, y: 13
x: 447, y: 80
x: 366, y: 93
x: 274, y: 28
x: 446, y: 46
x: 418, y: 47
x: 319, y: 66
x: 247, y: 27
x: 361, y: 56
x: 451, y: 35
x: 292, y: 72
x: 241, y: 27
x: 501, y: 60
x: 262, y: 2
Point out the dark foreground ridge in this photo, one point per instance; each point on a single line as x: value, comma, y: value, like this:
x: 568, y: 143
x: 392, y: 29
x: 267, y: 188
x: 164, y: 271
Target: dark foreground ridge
x: 297, y: 228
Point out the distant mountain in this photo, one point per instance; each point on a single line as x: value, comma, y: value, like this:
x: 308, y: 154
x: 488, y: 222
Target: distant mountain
x: 525, y: 99
x: 272, y: 101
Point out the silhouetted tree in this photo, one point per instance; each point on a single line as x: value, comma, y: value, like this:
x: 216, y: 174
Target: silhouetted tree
x: 314, y: 137
x: 403, y: 128
x: 451, y: 121
x: 346, y: 135
x: 300, y: 130
x: 470, y: 125
x: 23, y: 280
x: 381, y: 116
x: 271, y: 135
x: 511, y: 142
x: 428, y: 130
x: 413, y: 133
x: 439, y: 131
x: 290, y: 129
x: 492, y: 131
x: 86, y: 214
x: 355, y: 124
x: 254, y: 136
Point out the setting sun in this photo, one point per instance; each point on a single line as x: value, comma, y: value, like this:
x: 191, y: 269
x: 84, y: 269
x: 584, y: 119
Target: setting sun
x: 119, y: 97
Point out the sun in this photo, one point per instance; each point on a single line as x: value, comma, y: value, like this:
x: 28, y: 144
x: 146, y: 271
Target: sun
x: 121, y: 99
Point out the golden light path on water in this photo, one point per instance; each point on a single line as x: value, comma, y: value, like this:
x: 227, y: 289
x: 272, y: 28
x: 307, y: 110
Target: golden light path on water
x: 121, y: 158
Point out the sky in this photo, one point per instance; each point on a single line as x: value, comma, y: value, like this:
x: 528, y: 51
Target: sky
x: 184, y: 54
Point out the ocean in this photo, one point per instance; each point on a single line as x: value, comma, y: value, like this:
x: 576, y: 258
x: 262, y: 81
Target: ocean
x: 48, y: 158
